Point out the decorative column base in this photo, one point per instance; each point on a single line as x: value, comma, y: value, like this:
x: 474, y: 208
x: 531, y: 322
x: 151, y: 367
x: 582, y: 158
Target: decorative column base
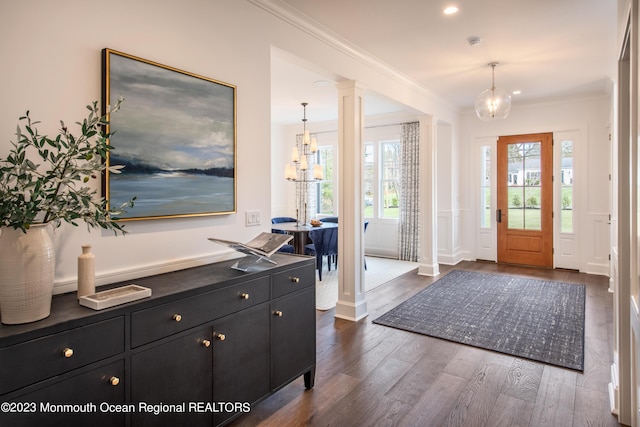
x: 428, y: 269
x: 350, y: 311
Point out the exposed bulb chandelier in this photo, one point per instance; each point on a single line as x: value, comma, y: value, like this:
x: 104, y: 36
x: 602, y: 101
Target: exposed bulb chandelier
x: 494, y: 103
x: 302, y: 159
x: 304, y: 170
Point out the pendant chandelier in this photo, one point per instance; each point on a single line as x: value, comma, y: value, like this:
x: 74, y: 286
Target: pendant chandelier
x: 305, y: 171
x: 302, y: 159
x: 494, y: 103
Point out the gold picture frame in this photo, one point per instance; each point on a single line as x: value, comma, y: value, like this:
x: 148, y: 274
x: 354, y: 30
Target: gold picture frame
x: 175, y: 135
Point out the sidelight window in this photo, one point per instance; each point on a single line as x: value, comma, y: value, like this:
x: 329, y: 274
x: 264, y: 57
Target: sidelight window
x: 566, y: 186
x: 485, y: 187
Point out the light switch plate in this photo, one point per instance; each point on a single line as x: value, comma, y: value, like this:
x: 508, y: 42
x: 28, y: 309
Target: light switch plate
x: 252, y: 218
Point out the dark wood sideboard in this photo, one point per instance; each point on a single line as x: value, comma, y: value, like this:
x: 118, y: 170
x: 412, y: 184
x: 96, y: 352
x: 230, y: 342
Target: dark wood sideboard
x: 207, y: 344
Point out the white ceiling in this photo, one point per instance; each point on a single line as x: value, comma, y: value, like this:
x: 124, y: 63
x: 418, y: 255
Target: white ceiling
x: 546, y: 49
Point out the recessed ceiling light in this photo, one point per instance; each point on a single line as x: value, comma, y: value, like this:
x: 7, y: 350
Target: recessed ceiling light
x: 516, y: 92
x: 322, y: 83
x: 451, y: 10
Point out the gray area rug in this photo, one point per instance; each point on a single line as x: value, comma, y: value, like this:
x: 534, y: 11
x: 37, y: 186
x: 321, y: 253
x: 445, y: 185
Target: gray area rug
x: 534, y: 319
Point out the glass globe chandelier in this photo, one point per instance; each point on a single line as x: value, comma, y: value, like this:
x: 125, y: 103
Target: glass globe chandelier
x: 494, y: 103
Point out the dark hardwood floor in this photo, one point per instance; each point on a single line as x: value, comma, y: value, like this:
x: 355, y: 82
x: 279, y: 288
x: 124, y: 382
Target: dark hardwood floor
x: 372, y: 375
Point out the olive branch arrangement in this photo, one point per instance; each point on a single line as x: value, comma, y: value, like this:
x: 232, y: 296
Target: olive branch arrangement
x: 56, y: 188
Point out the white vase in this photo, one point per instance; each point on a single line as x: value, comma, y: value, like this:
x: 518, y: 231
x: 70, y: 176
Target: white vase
x: 27, y: 271
x: 86, y: 272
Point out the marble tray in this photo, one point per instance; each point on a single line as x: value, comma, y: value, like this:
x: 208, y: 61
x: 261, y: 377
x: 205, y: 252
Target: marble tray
x: 116, y: 296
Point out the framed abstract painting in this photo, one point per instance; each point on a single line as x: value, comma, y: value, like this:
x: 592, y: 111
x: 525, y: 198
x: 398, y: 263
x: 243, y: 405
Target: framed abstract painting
x: 175, y: 135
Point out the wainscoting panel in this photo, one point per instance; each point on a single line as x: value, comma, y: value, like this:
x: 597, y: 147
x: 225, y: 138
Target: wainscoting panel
x: 449, y: 245
x: 595, y: 259
x: 444, y: 233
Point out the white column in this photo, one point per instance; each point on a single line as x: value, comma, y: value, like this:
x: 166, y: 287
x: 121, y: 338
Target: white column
x: 621, y: 389
x: 351, y: 303
x: 428, y: 262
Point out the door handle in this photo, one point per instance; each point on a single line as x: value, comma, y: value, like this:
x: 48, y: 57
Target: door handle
x: 499, y: 215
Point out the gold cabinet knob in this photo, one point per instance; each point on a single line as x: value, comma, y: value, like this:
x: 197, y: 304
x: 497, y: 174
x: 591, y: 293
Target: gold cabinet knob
x: 206, y: 343
x: 294, y: 279
x: 221, y: 337
x: 177, y: 317
x: 67, y: 352
x: 114, y: 381
x: 244, y: 295
x: 278, y: 313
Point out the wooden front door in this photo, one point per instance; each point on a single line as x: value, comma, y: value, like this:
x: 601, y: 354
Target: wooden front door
x: 525, y: 199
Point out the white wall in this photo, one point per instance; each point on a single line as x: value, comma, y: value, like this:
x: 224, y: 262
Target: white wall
x: 51, y: 57
x: 591, y: 118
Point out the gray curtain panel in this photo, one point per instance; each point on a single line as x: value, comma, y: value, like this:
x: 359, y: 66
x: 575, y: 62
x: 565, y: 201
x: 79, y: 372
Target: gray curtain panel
x: 408, y: 243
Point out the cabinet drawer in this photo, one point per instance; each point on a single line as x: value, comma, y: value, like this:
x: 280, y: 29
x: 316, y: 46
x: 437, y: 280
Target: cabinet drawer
x: 293, y: 280
x: 170, y: 318
x: 100, y: 385
x: 36, y: 360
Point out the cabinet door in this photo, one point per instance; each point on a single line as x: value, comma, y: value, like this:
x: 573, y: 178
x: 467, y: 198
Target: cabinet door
x: 240, y: 360
x: 293, y: 338
x: 176, y: 371
x: 93, y: 394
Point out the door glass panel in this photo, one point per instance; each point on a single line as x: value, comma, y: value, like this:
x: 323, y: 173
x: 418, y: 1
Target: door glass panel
x: 566, y: 177
x: 485, y: 188
x: 524, y: 183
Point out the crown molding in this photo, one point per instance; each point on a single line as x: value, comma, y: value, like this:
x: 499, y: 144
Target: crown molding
x: 313, y: 28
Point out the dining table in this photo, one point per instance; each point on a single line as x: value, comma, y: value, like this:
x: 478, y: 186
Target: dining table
x: 300, y: 232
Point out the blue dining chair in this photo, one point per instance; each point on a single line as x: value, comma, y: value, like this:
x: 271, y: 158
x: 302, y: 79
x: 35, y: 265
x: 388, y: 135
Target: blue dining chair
x: 329, y: 219
x: 366, y: 224
x: 289, y: 249
x: 325, y: 243
x: 335, y: 257
x: 332, y: 258
x: 281, y: 219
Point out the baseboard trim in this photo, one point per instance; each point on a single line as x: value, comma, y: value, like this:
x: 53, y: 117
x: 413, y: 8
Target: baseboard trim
x: 598, y: 269
x: 455, y: 258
